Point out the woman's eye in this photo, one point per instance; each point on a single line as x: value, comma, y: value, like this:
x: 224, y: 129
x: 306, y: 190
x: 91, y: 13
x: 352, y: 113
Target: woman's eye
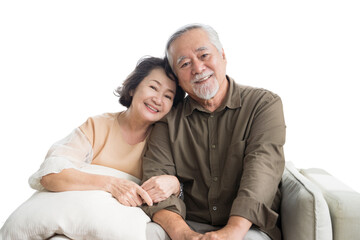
x: 169, y: 97
x: 153, y: 87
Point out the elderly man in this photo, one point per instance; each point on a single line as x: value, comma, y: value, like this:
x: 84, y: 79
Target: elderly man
x: 225, y: 145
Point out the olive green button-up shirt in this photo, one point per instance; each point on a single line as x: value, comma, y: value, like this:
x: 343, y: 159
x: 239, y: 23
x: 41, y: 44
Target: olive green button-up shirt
x: 230, y: 160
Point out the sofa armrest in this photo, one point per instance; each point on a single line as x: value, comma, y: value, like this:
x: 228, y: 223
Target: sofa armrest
x: 343, y: 203
x: 304, y: 212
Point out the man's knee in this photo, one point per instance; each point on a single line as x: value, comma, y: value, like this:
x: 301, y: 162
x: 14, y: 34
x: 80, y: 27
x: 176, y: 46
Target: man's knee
x: 255, y: 234
x: 155, y: 232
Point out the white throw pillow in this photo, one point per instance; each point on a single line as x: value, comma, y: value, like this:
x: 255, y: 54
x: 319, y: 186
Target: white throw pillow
x: 77, y: 215
x: 304, y: 212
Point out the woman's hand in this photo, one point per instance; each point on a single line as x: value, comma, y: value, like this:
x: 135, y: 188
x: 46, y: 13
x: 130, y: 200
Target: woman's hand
x: 161, y: 187
x: 128, y: 193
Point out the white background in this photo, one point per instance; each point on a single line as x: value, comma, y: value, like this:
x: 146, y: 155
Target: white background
x: 61, y: 60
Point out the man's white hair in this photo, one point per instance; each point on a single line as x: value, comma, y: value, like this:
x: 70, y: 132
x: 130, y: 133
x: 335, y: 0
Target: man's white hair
x: 212, y: 34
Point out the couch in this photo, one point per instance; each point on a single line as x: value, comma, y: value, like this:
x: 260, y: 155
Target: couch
x: 314, y: 206
x: 317, y: 206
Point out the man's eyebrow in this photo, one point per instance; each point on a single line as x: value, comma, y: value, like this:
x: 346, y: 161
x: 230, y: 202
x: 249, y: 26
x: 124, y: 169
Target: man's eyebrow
x: 179, y: 60
x: 201, y: 49
x: 196, y: 50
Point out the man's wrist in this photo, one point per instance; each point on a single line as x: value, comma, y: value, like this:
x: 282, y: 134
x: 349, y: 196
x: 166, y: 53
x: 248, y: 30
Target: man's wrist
x: 181, y: 192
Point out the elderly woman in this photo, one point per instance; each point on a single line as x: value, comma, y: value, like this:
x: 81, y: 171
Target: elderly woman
x: 86, y: 175
x: 116, y: 140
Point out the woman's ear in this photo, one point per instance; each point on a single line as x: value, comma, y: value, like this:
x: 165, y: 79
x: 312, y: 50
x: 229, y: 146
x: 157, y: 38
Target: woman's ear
x: 131, y: 92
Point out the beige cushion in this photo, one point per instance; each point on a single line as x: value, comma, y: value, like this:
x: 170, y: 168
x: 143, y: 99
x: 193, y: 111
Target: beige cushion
x: 304, y: 212
x: 343, y: 202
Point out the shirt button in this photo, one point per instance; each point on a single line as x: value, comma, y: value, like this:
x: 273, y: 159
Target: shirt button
x: 213, y: 146
x: 215, y: 179
x: 211, y: 116
x: 214, y: 208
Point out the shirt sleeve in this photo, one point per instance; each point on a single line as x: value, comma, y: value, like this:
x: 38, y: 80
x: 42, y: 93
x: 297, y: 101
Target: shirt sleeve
x: 74, y: 151
x: 158, y: 160
x: 263, y: 164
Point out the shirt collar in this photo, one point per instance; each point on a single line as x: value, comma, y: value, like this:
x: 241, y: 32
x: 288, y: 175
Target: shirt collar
x: 232, y: 100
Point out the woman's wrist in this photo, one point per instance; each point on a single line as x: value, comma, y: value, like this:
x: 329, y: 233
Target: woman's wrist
x: 106, y: 183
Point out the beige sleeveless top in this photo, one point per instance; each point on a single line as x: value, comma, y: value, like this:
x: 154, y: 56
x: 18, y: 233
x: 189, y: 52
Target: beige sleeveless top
x: 109, y: 147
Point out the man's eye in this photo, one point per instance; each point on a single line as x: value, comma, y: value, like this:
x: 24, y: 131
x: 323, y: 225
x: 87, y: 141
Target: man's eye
x: 205, y: 55
x: 185, y: 64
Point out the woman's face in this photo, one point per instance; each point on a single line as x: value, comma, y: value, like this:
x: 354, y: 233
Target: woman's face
x: 154, y: 96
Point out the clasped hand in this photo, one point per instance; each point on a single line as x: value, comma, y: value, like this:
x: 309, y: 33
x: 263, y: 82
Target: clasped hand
x: 154, y: 190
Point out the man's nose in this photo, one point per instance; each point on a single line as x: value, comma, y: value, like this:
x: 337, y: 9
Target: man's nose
x: 197, y: 66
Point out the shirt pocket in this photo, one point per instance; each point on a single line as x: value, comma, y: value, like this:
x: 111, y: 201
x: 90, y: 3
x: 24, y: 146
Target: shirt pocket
x: 232, y: 166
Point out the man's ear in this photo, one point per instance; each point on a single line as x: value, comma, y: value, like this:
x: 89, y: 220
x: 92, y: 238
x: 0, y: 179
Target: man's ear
x: 223, y: 54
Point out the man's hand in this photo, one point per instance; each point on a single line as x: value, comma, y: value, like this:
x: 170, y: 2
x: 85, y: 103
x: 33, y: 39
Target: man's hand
x: 161, y: 187
x: 236, y: 228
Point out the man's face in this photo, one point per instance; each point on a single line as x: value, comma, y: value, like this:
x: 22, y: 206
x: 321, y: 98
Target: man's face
x: 200, y: 67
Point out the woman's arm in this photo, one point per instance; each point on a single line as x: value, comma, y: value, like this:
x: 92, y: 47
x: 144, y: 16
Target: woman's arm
x: 61, y: 172
x: 126, y: 192
x: 74, y: 180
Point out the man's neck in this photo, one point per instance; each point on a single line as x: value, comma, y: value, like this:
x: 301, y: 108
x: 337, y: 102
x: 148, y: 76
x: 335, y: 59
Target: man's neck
x: 214, y: 103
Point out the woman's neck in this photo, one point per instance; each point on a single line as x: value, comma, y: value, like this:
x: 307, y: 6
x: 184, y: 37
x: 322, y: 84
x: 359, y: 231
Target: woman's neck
x: 133, y: 129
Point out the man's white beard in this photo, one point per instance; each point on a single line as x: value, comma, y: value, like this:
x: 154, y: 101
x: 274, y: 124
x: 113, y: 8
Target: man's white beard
x: 206, y: 90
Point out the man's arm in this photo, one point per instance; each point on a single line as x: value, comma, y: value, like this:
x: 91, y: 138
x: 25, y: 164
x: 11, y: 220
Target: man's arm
x: 175, y: 226
x: 263, y: 163
x: 157, y: 161
x: 236, y: 228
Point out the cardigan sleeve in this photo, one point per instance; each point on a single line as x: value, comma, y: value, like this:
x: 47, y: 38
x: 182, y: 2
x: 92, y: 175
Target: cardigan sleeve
x: 74, y: 151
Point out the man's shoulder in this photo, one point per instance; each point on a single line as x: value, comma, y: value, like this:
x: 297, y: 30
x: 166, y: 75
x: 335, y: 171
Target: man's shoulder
x: 175, y: 112
x: 254, y: 93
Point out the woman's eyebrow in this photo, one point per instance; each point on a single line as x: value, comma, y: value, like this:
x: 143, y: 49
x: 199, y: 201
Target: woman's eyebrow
x: 154, y: 80
x: 159, y: 83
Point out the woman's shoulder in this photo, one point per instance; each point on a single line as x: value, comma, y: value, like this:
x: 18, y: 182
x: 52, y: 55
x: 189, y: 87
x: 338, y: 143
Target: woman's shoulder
x: 105, y: 120
x: 107, y: 116
x: 99, y: 126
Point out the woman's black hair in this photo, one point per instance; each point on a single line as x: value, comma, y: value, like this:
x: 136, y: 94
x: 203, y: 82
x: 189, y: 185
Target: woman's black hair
x: 143, y: 68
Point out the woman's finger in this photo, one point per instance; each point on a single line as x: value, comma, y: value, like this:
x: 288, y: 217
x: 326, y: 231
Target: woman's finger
x: 144, y: 195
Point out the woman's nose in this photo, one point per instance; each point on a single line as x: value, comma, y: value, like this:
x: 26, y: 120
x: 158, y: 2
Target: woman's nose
x: 157, y: 99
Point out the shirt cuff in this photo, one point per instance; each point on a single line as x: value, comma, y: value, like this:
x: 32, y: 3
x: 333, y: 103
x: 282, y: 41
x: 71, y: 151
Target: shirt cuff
x: 254, y: 211
x: 172, y: 204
